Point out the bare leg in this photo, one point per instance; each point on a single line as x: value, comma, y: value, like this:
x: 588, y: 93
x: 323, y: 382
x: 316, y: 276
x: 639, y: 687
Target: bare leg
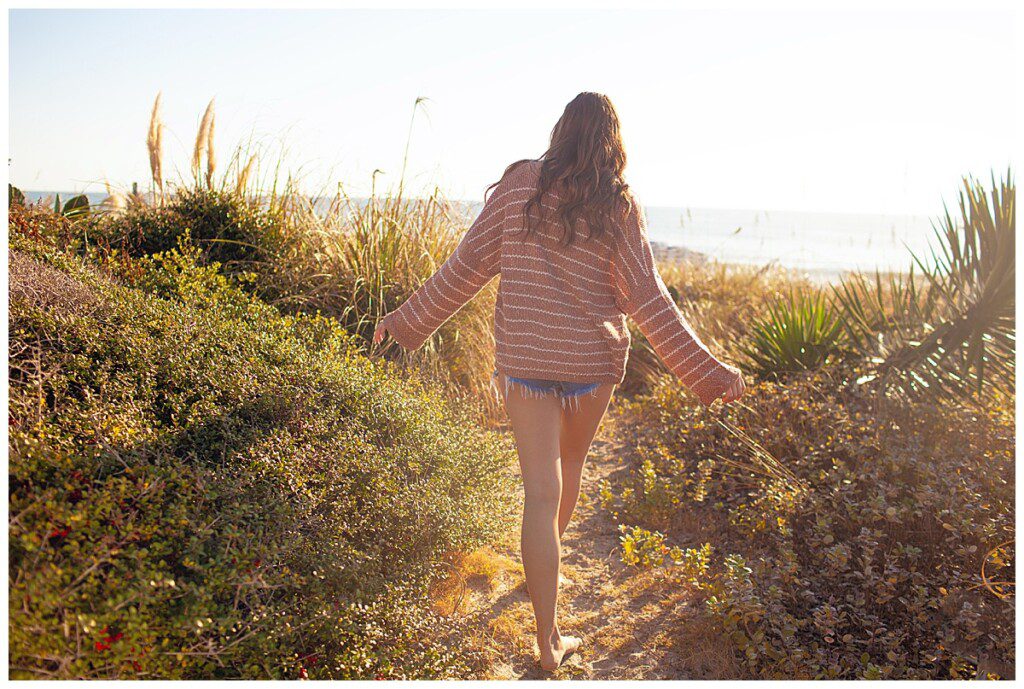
x: 536, y: 427
x: 577, y: 434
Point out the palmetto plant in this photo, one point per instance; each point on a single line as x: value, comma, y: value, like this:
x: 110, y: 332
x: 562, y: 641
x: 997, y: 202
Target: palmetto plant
x: 884, y: 309
x: 953, y: 336
x: 801, y: 331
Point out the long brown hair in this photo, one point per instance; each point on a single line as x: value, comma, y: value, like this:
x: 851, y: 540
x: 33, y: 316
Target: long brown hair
x: 585, y: 162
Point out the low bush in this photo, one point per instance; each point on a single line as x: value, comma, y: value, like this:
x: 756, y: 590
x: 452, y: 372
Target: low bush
x: 201, y: 487
x: 239, y: 235
x: 853, y: 537
x: 349, y: 260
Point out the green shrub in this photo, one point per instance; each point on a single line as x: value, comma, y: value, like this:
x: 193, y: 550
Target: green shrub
x: 645, y: 548
x: 201, y: 487
x: 642, y: 547
x: 691, y: 563
x: 230, y: 230
x: 868, y: 563
x: 800, y: 332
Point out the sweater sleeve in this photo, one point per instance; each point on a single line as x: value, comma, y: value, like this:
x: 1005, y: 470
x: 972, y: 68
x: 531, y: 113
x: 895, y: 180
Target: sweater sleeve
x: 646, y: 300
x: 473, y: 264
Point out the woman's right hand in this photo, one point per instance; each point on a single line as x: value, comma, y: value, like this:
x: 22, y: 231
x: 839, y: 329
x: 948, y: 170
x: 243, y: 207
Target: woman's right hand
x: 736, y: 390
x: 382, y: 329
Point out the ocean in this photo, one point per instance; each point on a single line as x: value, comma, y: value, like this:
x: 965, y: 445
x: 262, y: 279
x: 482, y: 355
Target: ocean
x: 822, y: 245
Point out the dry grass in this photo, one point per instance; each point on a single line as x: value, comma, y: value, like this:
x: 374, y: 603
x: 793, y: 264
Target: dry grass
x: 354, y: 259
x: 473, y: 576
x: 361, y: 259
x: 725, y: 298
x: 242, y: 182
x: 43, y: 286
x: 154, y: 144
x: 704, y: 650
x: 204, y: 139
x: 211, y: 156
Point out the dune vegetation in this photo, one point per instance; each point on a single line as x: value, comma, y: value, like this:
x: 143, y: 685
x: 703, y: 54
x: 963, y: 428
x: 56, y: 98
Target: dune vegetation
x: 203, y: 486
x: 853, y: 515
x: 214, y: 476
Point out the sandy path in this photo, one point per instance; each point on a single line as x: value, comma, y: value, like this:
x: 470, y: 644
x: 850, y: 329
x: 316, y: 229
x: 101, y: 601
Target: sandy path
x: 630, y: 619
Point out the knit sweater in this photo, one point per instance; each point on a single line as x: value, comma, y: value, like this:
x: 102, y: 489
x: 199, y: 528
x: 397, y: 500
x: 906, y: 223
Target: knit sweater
x: 561, y: 310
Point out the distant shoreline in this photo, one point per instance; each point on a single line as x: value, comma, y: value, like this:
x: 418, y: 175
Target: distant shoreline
x: 663, y: 251
x: 673, y: 253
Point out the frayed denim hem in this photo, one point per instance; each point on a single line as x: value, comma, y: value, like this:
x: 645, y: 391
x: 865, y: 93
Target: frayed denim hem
x: 570, y: 399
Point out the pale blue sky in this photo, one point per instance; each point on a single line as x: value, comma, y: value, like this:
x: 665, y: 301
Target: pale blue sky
x: 862, y: 112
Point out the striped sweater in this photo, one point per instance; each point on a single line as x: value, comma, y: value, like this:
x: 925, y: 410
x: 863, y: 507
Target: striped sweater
x: 561, y: 311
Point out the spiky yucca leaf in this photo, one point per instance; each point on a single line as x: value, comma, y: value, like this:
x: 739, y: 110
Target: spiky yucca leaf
x: 799, y: 332
x: 879, y: 313
x: 953, y: 336
x: 973, y: 275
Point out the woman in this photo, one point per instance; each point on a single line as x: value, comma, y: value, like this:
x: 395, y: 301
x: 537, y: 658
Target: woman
x: 569, y: 239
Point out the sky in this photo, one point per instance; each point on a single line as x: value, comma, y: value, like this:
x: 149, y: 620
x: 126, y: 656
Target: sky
x: 867, y: 112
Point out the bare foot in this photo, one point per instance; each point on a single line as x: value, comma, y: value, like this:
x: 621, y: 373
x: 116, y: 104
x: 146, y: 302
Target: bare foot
x: 556, y: 649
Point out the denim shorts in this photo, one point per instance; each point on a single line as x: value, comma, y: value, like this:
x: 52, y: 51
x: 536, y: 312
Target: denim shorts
x: 568, y: 392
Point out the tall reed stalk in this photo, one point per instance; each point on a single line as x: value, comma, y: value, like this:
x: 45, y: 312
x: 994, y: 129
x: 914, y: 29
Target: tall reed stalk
x: 154, y: 144
x: 204, y: 138
x: 408, y: 140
